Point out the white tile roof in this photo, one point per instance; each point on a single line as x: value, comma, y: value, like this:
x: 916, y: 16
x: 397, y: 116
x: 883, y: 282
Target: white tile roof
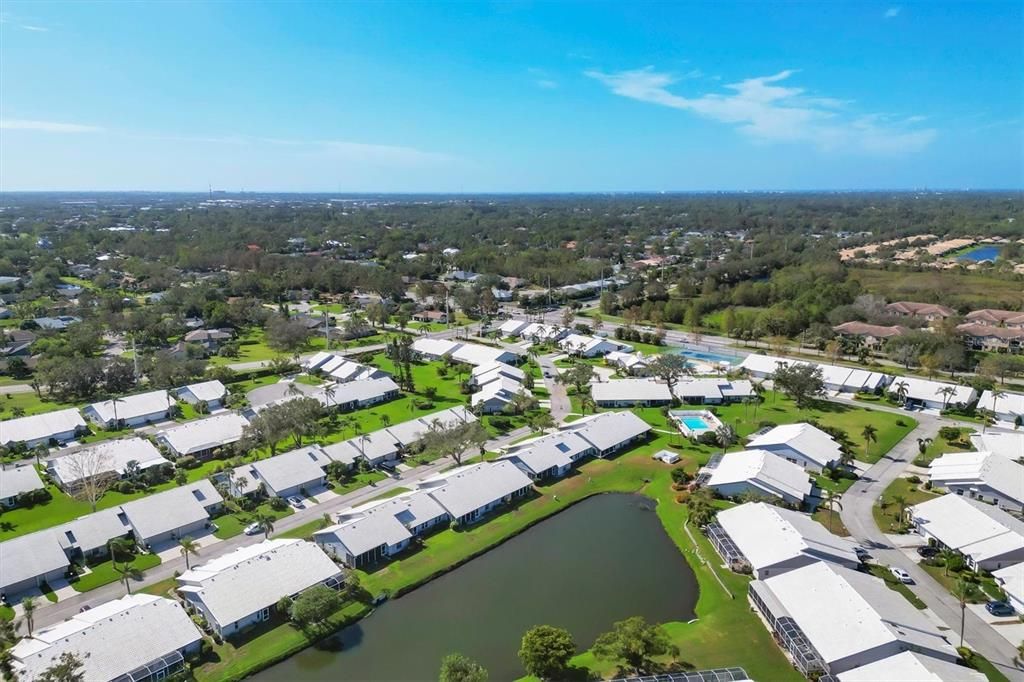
x: 111, y: 639
x: 434, y: 347
x: 607, y: 430
x: 763, y: 470
x: 463, y: 490
x: 976, y: 468
x: 15, y: 480
x: 202, y: 434
x: 252, y: 578
x: 551, y: 450
x: 1004, y: 443
x: 768, y: 535
x: 172, y: 509
x: 910, y: 666
x: 513, y: 327
x: 925, y: 390
x: 206, y: 391
x: 630, y: 390
x: 288, y: 470
x: 27, y: 556
x: 476, y: 354
x: 104, y: 457
x: 1010, y: 403
x: 408, y: 432
x: 40, y: 426
x: 848, y: 378
x: 976, y: 529
x: 133, y: 406
x: 766, y: 364
x: 1011, y: 579
x: 365, y: 527
x: 861, y: 614
x: 486, y: 372
x: 808, y: 440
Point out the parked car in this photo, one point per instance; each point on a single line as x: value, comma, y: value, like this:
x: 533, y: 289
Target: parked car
x: 927, y: 551
x: 861, y: 553
x: 253, y: 529
x: 296, y: 502
x: 901, y: 575
x: 999, y: 608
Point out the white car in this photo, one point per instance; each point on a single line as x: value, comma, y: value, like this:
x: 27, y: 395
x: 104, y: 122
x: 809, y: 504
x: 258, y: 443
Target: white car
x: 901, y: 575
x: 296, y: 502
x: 253, y: 529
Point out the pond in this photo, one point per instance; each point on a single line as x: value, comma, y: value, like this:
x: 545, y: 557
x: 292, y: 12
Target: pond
x: 981, y: 253
x: 602, y: 560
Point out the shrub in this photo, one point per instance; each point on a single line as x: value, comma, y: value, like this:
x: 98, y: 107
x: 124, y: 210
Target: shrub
x: 278, y: 504
x: 683, y: 497
x: 914, y: 479
x: 187, y: 462
x: 949, y: 433
x: 708, y: 438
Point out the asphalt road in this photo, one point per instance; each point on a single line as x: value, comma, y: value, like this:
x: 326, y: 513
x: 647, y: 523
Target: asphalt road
x: 560, y: 405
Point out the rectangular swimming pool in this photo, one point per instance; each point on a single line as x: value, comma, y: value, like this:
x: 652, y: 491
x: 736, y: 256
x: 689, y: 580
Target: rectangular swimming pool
x: 696, y: 423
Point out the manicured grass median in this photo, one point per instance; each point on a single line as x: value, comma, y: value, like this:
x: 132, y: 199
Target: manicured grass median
x: 887, y: 514
x: 230, y: 525
x: 104, y: 573
x: 890, y: 581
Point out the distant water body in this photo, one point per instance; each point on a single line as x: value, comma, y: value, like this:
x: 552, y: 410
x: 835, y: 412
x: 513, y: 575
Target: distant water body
x: 981, y: 253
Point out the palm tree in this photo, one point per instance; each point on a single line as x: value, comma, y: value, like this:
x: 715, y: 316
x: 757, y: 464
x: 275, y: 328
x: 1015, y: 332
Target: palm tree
x: 28, y: 606
x: 587, y: 403
x: 922, y: 444
x: 726, y: 436
x: 385, y: 420
x: 870, y: 435
x: 901, y: 502
x: 948, y: 555
x: 946, y: 392
x: 758, y: 388
x: 113, y: 404
x: 962, y: 591
x: 831, y: 501
x: 329, y: 390
x: 188, y: 547
x: 265, y: 522
x: 996, y: 395
x: 902, y: 389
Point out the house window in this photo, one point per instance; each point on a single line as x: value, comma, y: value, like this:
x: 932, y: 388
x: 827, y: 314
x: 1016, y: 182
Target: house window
x: 265, y: 614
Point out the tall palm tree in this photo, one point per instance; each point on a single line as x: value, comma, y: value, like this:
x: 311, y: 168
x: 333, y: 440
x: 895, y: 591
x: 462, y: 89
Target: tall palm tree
x: 870, y: 435
x: 831, y: 501
x: 901, y: 502
x: 265, y: 522
x: 996, y: 395
x: 948, y: 555
x: 188, y: 547
x: 902, y: 389
x: 962, y: 591
x: 946, y: 392
x: 385, y: 420
x: 587, y: 403
x: 28, y: 607
x: 114, y: 401
x: 329, y: 390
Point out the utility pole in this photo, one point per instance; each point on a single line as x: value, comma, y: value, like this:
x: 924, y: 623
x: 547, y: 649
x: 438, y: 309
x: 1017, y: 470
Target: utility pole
x: 327, y: 332
x: 135, y: 359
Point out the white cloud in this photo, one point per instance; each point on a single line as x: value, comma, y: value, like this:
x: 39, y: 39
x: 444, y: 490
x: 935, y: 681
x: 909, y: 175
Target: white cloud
x: 892, y: 12
x: 767, y: 111
x: 37, y: 29
x: 547, y: 84
x: 381, y: 154
x: 46, y: 126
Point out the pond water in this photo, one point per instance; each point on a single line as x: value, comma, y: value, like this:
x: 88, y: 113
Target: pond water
x: 602, y: 560
x: 981, y: 253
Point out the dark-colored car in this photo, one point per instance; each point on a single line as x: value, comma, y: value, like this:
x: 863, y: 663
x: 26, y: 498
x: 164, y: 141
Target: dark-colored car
x: 927, y: 551
x: 999, y: 608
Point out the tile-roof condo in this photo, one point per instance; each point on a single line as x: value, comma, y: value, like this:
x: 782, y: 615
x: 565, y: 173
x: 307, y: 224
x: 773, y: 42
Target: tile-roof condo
x: 864, y: 329
x: 105, y: 457
x: 991, y: 316
x: 983, y: 533
x: 808, y: 441
x: 608, y: 430
x: 15, y: 480
x: 41, y: 428
x: 626, y: 391
x: 286, y: 472
x: 762, y: 471
x: 205, y: 391
x: 204, y: 434
x: 980, y: 473
x: 467, y: 489
x: 167, y: 512
x: 910, y: 666
x: 28, y: 557
x: 241, y: 583
x: 914, y: 309
x: 112, y: 640
x: 154, y: 404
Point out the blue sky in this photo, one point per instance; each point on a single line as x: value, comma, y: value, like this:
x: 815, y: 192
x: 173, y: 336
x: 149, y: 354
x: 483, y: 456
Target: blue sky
x: 511, y: 96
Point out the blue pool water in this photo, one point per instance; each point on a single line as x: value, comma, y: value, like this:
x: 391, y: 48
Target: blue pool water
x: 695, y: 423
x: 710, y: 357
x: 981, y: 253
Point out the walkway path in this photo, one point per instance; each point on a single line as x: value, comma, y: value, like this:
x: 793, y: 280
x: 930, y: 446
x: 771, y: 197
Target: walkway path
x: 560, y: 405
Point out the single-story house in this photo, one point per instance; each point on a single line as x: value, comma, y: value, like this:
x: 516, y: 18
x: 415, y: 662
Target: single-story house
x: 210, y: 339
x: 497, y: 395
x: 213, y: 393
x: 772, y: 540
x: 843, y: 619
x: 59, y: 426
x: 1009, y: 444
x: 291, y: 473
x: 468, y: 493
x: 840, y: 379
x: 982, y: 476
x: 871, y: 335
x: 59, y: 323
x: 172, y: 514
x: 408, y: 433
x: 242, y: 588
x: 591, y: 346
x: 609, y: 432
x: 537, y: 332
x: 87, y: 537
x: 29, y: 561
x: 377, y: 530
x: 1007, y: 407
x: 932, y: 395
x: 551, y: 455
x: 484, y: 373
x: 434, y: 349
x: 761, y: 473
x: 986, y: 536
x: 802, y: 444
x: 131, y: 411
x: 438, y: 316
x: 636, y: 364
x: 476, y: 354
x: 1011, y: 579
x: 512, y: 327
x: 713, y: 391
x: 632, y: 392
x: 764, y: 366
x: 911, y: 665
x: 16, y: 480
x: 200, y: 438
x: 360, y: 393
x: 137, y: 637
x: 107, y: 459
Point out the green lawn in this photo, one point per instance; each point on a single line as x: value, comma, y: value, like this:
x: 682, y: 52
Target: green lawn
x: 940, y: 446
x: 104, y: 573
x: 303, y: 532
x: 978, y: 592
x: 831, y: 520
x: 252, y: 347
x: 230, y: 525
x: 30, y: 403
x: 983, y: 665
x: 887, y: 514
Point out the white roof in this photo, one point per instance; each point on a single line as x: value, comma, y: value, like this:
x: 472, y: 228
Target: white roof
x: 910, y: 666
x: 608, y: 429
x: 316, y: 360
x: 252, y: 578
x: 498, y: 388
x: 202, y: 434
x: 1011, y: 579
x: 434, y: 347
x: 15, y: 480
x: 630, y: 390
x: 766, y: 364
x: 111, y: 639
x: 363, y: 528
x: 133, y: 406
x: 93, y: 531
x: 552, y: 450
x: 768, y: 535
x: 979, y: 468
x: 763, y: 470
x: 476, y: 354
x: 1004, y: 443
x: 626, y: 360
x: 850, y: 378
x: 207, y: 391
x: 861, y: 614
x: 486, y: 372
x: 513, y: 327
x: 28, y: 556
x: 287, y: 470
x: 976, y: 529
x: 463, y: 490
x: 1011, y: 403
x: 923, y: 389
x: 359, y: 390
x: 808, y: 440
x: 172, y: 509
x: 408, y: 432
x: 40, y: 426
x: 104, y: 457
x: 345, y: 452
